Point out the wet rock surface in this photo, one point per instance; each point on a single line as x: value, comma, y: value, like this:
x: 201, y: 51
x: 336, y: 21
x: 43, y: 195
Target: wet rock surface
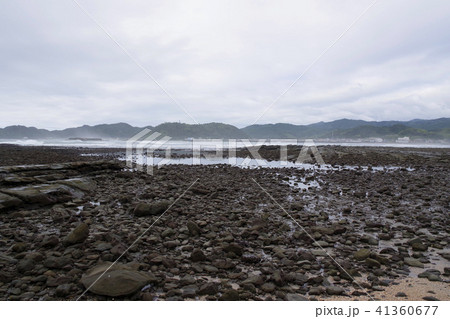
x: 226, y: 239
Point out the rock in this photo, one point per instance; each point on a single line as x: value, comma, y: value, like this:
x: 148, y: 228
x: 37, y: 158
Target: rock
x: 362, y: 254
x: 189, y: 291
x: 268, y: 287
x: 315, y: 291
x: 372, y: 263
x: 103, y: 246
x: 119, y: 280
x: 223, y: 264
x: 167, y: 233
x: 157, y: 208
x: 19, y: 247
x: 369, y: 239
x: 430, y: 275
x: 446, y: 271
x: 193, y: 228
x: 50, y: 241
x: 209, y: 288
x: 7, y: 202
x: 335, y: 290
x: 430, y: 298
x: 297, y: 278
x: 53, y: 262
x: 84, y: 184
x: 416, y: 240
x: 197, y: 255
x: 25, y: 265
x: 7, y: 259
x: 254, y: 279
x: 210, y: 269
x: 401, y: 294
x: 78, y: 235
x: 319, y: 252
x: 200, y: 191
x: 45, y: 194
x: 413, y: 262
x: 295, y: 297
x: 250, y: 258
x: 230, y: 295
x: 187, y: 280
x: 234, y: 248
x: 278, y: 278
x: 63, y: 290
x: 419, y: 247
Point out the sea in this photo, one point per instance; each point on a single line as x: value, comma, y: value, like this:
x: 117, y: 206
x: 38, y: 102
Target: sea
x: 205, y: 144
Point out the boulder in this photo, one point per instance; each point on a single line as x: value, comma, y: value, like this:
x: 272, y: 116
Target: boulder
x: 197, y: 255
x: 362, y: 254
x: 234, y: 248
x: 115, y: 280
x: 7, y: 201
x: 193, y: 228
x: 157, y: 208
x: 335, y: 290
x: 413, y: 262
x: 78, y: 235
x: 230, y: 295
x: 295, y: 297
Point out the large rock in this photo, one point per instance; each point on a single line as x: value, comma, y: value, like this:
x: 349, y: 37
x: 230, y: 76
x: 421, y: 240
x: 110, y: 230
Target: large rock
x: 45, y: 194
x: 7, y: 201
x: 54, y: 262
x: 193, y: 228
x: 335, y: 290
x: 157, y: 208
x: 296, y: 297
x: 118, y: 280
x: 413, y: 262
x: 254, y: 280
x: 197, y: 255
x: 78, y: 235
x: 233, y: 248
x: 362, y: 254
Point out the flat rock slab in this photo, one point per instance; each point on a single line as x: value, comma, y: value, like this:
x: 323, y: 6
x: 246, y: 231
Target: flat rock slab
x: 119, y: 280
x: 44, y: 194
x: 84, y: 184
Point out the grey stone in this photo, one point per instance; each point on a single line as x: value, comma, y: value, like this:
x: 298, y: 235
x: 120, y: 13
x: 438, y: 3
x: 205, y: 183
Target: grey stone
x: 156, y: 208
x: 119, y: 280
x: 77, y: 235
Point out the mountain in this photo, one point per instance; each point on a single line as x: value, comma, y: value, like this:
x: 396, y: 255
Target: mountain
x: 105, y: 131
x: 437, y: 129
x: 345, y: 128
x: 125, y: 131
x: 209, y: 130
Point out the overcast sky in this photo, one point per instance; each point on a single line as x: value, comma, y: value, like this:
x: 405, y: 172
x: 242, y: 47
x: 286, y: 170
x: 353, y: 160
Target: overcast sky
x: 224, y: 61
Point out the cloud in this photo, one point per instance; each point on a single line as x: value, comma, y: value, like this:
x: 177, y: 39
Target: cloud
x: 225, y: 61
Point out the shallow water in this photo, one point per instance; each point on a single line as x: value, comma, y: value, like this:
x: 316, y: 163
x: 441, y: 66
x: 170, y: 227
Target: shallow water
x: 250, y: 163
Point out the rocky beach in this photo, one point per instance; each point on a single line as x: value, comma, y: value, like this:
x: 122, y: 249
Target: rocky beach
x: 372, y: 224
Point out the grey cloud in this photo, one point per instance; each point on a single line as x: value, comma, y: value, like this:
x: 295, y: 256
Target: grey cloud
x: 223, y: 60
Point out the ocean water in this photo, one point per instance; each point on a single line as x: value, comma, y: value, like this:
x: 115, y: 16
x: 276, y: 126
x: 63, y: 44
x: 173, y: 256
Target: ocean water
x: 204, y: 144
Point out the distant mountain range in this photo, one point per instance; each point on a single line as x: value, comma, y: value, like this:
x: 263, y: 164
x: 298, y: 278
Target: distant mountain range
x: 438, y: 129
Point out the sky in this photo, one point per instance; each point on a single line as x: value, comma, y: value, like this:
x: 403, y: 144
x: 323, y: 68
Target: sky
x: 222, y: 61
